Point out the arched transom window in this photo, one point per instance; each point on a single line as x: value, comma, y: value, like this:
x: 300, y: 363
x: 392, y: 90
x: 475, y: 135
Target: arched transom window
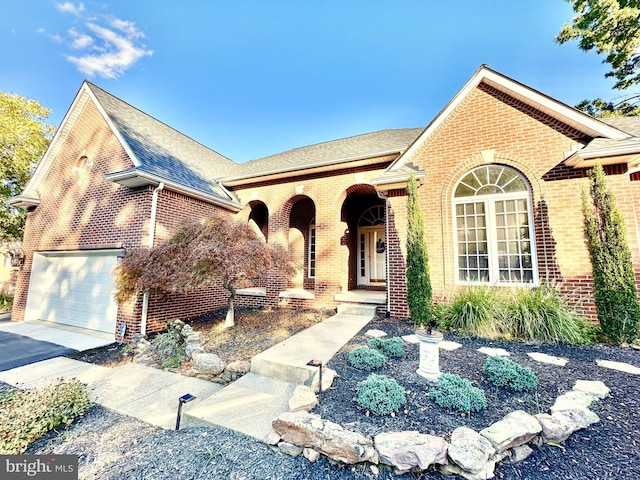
x: 493, y: 225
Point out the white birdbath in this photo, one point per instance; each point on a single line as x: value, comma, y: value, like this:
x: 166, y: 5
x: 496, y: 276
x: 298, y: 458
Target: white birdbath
x: 429, y: 354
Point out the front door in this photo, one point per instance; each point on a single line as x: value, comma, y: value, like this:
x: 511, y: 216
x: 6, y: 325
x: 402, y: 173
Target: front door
x: 372, y: 256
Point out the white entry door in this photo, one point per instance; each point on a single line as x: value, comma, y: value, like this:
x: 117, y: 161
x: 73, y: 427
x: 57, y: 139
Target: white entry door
x: 372, y: 256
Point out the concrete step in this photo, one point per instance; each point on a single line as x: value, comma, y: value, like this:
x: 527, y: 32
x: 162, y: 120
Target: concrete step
x: 287, y: 361
x: 357, y: 309
x: 248, y: 406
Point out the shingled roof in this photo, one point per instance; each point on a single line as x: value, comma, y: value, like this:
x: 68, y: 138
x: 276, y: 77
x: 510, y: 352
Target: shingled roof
x: 161, y: 150
x: 368, y: 145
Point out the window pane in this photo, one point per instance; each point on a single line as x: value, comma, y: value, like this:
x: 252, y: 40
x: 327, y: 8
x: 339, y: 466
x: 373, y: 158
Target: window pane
x: 464, y: 191
x: 517, y: 185
x: 507, y: 235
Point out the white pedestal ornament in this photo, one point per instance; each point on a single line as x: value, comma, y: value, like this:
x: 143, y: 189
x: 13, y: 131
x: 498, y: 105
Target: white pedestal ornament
x: 429, y: 354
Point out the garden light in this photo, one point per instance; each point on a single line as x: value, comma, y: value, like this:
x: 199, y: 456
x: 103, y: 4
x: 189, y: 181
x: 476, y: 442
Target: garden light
x: 181, y: 401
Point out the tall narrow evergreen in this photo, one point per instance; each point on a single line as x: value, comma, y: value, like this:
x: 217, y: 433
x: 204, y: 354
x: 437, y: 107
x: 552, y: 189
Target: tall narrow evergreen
x: 614, y: 284
x: 419, y: 294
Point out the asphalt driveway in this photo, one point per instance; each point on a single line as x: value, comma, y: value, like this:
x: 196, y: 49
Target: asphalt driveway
x: 17, y: 350
x: 22, y: 343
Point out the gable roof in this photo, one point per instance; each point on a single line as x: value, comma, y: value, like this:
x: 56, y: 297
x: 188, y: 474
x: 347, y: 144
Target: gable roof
x: 592, y: 127
x: 160, y: 154
x: 327, y: 154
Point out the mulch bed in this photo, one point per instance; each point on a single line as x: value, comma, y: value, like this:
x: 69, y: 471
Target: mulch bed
x: 609, y: 449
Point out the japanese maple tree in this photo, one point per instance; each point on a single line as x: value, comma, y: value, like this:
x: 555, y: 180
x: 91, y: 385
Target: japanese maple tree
x: 221, y: 251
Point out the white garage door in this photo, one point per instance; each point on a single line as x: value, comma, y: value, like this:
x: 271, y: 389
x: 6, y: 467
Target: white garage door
x: 74, y: 288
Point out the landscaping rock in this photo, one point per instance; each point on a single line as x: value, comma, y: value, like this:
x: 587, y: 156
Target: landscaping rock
x: 311, y: 454
x: 273, y: 438
x: 573, y: 400
x: 411, y: 339
x: 470, y: 450
x: 558, y: 426
x: 289, y: 449
x: 620, y: 366
x: 544, y: 358
x: 303, y: 399
x: 407, y: 450
x: 500, y: 352
x: 454, y: 469
x: 516, y: 428
x: 375, y: 333
x: 449, y: 345
x: 309, y: 430
x: 328, y: 375
x: 518, y: 454
x: 596, y: 388
x: 207, y: 363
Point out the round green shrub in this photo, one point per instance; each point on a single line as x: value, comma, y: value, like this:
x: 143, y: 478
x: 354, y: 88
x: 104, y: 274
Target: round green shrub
x: 365, y: 358
x: 380, y: 395
x: 390, y: 347
x: 456, y: 393
x: 505, y: 373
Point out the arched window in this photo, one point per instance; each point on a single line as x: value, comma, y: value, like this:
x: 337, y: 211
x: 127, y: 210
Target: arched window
x: 494, y: 228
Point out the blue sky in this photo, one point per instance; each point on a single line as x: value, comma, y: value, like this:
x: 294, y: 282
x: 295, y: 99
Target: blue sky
x: 252, y: 78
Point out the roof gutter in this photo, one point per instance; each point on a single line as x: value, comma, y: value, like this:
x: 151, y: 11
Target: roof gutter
x: 22, y: 201
x: 138, y: 178
x: 399, y: 180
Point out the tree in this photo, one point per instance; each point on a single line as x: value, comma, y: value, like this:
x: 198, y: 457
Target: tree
x: 221, y: 251
x: 614, y: 284
x: 24, y: 137
x: 612, y: 27
x: 629, y: 106
x: 419, y: 293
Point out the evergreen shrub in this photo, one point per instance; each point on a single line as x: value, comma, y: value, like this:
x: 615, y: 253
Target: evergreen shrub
x: 505, y: 373
x: 390, y: 347
x: 456, y: 393
x: 380, y: 395
x: 365, y: 358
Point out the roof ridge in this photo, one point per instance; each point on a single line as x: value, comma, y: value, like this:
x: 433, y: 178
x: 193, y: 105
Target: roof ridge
x: 330, y: 141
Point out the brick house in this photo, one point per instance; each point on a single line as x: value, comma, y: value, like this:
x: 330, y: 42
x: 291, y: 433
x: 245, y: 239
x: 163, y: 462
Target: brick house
x: 501, y: 168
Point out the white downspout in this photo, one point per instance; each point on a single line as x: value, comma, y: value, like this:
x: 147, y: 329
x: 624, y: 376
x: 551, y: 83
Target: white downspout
x: 382, y: 196
x: 152, y: 234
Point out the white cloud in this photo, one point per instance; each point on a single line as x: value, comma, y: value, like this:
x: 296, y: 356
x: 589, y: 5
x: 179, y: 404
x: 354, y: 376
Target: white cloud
x: 115, y: 52
x: 103, y: 46
x: 68, y: 7
x: 79, y: 40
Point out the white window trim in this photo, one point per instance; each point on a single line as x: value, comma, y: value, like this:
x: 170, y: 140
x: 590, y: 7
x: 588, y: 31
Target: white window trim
x: 312, y: 249
x: 489, y: 201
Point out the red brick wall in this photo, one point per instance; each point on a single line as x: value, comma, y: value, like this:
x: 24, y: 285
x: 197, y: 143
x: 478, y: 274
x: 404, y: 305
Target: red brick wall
x: 328, y: 192
x: 87, y: 213
x: 514, y: 134
x: 93, y: 213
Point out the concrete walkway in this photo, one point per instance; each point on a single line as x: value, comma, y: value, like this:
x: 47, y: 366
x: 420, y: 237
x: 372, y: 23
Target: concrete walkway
x: 247, y: 405
x: 138, y: 391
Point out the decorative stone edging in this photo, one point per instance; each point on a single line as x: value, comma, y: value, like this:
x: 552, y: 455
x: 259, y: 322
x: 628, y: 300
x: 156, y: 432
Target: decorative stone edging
x: 470, y: 454
x: 205, y: 365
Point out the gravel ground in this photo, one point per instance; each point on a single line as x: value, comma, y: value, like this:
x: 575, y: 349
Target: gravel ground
x: 111, y: 446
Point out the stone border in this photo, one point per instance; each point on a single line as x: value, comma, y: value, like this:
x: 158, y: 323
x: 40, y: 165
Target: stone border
x: 470, y: 454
